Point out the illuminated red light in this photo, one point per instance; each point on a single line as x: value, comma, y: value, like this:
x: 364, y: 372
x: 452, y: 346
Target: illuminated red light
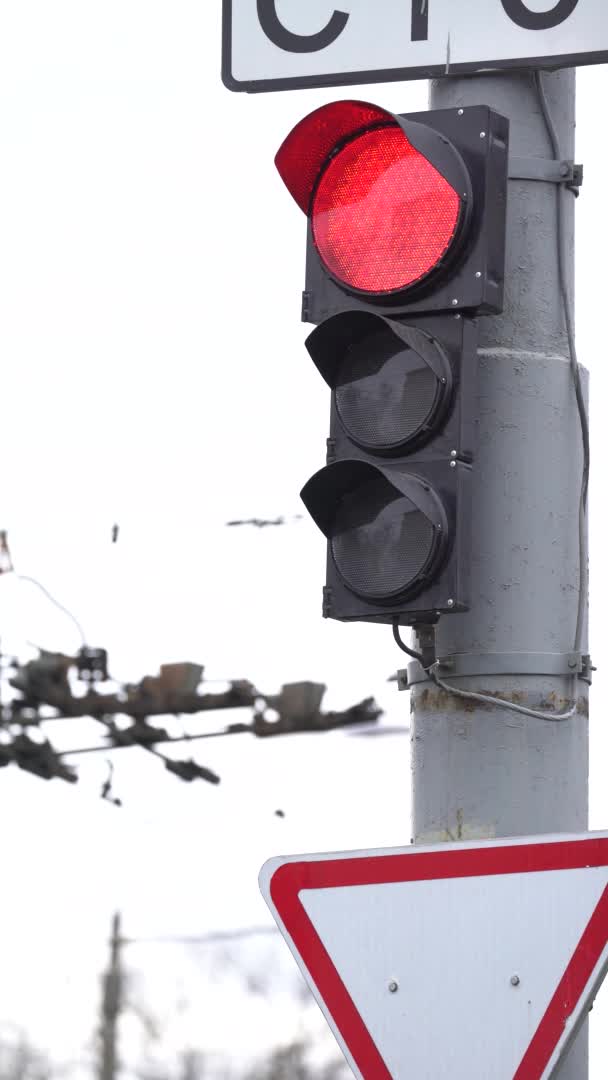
x: 382, y: 216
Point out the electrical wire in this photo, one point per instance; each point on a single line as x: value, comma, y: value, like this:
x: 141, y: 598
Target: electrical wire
x: 490, y: 699
x: 471, y: 695
x: 562, y: 259
x: 400, y: 642
x: 53, y: 600
x: 217, y: 937
x: 110, y: 747
x: 148, y: 747
x: 8, y: 568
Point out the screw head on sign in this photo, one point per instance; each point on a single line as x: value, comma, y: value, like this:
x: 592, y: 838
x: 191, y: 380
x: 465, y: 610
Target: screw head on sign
x: 478, y: 274
x: 393, y: 986
x: 482, y: 134
x: 461, y: 112
x: 515, y: 980
x: 450, y: 603
x: 454, y: 303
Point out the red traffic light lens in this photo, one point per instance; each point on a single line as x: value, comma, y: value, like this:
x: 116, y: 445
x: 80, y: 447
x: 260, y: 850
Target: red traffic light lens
x: 383, y: 217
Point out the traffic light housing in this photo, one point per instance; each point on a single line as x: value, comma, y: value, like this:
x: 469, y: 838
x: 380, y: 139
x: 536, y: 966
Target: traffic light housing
x: 406, y: 245
x: 394, y: 498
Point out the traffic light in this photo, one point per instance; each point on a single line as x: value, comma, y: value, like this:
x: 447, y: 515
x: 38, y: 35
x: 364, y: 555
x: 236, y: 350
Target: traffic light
x: 406, y: 245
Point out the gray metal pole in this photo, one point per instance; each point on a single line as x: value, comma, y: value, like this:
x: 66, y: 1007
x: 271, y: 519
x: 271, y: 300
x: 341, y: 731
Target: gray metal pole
x: 481, y: 771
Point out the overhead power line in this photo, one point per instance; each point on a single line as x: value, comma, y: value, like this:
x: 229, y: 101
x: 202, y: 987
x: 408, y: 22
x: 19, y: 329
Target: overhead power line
x: 217, y: 937
x: 45, y: 692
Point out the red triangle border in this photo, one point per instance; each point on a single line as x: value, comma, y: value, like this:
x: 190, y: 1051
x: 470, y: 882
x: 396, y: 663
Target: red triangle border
x: 292, y: 877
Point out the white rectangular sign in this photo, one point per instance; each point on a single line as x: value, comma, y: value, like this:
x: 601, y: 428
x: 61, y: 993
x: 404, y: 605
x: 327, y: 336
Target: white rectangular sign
x: 286, y: 44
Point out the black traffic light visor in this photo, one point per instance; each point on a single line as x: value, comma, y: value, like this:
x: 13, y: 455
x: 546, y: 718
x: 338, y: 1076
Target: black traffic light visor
x: 308, y: 146
x: 330, y: 341
x: 387, y: 531
x: 324, y: 491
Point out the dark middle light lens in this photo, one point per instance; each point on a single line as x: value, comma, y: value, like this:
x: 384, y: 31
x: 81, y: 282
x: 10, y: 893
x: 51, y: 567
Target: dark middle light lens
x: 385, y: 393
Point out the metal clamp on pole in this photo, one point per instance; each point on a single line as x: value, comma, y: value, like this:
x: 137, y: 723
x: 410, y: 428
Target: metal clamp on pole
x: 484, y: 664
x: 547, y: 170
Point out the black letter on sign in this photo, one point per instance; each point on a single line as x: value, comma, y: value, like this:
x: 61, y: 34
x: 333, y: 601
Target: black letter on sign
x: 420, y: 20
x: 298, y: 43
x: 538, y: 20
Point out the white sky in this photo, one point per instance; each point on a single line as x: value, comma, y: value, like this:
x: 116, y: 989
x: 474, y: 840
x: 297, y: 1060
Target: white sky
x: 151, y: 267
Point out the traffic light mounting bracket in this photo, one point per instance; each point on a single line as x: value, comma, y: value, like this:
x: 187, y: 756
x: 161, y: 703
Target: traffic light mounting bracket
x: 493, y: 664
x: 548, y: 170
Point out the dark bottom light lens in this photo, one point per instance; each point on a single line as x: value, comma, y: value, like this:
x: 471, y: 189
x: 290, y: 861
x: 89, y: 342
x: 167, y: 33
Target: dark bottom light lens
x: 381, y: 542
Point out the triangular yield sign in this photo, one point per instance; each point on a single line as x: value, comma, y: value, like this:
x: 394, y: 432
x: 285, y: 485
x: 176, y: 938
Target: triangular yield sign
x: 476, y: 960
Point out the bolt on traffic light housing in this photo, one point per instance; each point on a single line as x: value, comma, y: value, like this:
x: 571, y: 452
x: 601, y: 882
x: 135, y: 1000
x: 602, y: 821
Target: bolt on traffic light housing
x: 406, y: 245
